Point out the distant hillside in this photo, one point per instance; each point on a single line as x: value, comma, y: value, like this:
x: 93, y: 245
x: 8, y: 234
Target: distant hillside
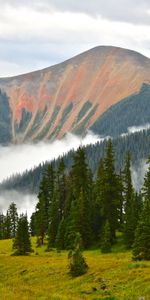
x: 73, y: 95
x: 138, y: 144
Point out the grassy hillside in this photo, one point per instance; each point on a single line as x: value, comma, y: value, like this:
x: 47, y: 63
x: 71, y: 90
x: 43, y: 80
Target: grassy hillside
x: 44, y: 276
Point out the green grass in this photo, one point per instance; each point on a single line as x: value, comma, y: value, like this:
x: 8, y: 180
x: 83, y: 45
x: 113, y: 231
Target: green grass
x: 45, y: 276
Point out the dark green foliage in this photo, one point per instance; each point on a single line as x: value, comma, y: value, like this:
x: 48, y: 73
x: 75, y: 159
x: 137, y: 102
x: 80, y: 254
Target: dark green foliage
x: 129, y: 203
x: 43, y: 206
x: 77, y: 264
x: 86, y: 106
x: 141, y: 246
x: 26, y: 117
x: 54, y: 221
x: 106, y: 238
x: 46, y: 129
x: 5, y: 119
x: 109, y: 190
x: 12, y: 219
x: 138, y: 144
x: 21, y: 242
x: 80, y: 199
x: 132, y: 111
x: 2, y: 234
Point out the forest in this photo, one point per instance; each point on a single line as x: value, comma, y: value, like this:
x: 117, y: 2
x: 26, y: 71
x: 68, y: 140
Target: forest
x: 76, y: 210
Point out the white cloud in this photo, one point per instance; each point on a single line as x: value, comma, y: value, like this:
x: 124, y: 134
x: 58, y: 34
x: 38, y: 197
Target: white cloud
x: 25, y: 202
x: 18, y: 158
x: 33, y: 38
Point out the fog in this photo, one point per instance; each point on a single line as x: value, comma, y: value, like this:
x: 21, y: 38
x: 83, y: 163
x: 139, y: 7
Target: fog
x: 138, y: 174
x: 25, y: 202
x: 18, y: 158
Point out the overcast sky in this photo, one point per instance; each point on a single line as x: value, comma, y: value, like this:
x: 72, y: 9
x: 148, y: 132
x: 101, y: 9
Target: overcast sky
x: 39, y: 33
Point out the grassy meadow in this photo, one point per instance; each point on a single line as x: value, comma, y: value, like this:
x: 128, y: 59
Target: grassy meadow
x: 44, y: 275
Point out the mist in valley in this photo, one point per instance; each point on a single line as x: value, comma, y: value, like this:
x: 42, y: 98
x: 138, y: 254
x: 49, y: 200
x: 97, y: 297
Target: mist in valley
x: 18, y: 158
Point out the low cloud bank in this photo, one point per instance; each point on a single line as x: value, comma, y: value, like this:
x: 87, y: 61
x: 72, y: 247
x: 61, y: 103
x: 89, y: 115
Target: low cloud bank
x: 25, y: 202
x: 18, y: 158
x: 138, y: 174
x: 134, y: 129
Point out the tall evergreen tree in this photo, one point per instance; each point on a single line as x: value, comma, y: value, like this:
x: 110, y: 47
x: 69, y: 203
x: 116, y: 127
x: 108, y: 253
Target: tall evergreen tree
x: 110, y: 205
x: 54, y: 221
x: 141, y: 245
x: 21, y: 242
x: 12, y: 214
x: 106, y: 238
x: 129, y: 203
x: 79, y: 200
x: 43, y: 206
x: 2, y: 235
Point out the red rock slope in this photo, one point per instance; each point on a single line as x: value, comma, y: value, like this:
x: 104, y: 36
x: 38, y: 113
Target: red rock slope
x: 48, y: 103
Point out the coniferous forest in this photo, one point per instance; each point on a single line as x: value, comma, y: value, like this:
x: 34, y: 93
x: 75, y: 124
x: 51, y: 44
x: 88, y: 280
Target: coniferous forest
x: 75, y: 208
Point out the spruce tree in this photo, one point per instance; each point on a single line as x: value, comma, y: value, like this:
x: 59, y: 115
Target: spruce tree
x: 13, y: 217
x: 106, y: 238
x: 141, y: 246
x: 129, y: 204
x: 79, y: 200
x: 21, y: 242
x: 98, y: 200
x: 2, y: 235
x: 77, y: 264
x: 43, y: 207
x: 54, y: 221
x: 110, y: 204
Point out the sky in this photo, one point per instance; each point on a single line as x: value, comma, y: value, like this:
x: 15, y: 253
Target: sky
x: 39, y: 33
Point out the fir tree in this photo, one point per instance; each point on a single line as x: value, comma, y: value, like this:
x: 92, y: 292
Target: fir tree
x: 129, y: 203
x: 106, y: 238
x: 7, y: 224
x: 141, y: 246
x: 79, y: 201
x: 2, y: 235
x: 22, y: 242
x: 43, y: 206
x: 110, y: 204
x: 54, y: 221
x: 13, y: 217
x: 77, y: 264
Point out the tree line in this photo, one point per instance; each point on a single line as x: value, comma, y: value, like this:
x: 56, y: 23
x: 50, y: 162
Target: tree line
x: 73, y: 203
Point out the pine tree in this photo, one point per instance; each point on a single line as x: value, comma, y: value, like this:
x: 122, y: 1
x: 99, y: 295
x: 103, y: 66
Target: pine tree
x: 43, y: 206
x: 98, y: 200
x: 13, y: 216
x: 22, y: 242
x: 7, y: 224
x: 141, y: 246
x: 106, y: 238
x: 129, y: 204
x: 54, y: 221
x: 77, y: 264
x: 110, y: 204
x: 2, y: 235
x: 79, y: 201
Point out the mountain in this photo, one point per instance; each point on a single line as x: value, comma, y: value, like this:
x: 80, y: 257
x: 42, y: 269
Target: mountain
x: 72, y: 96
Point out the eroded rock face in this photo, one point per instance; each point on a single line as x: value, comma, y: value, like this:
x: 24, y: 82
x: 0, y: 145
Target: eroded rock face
x: 72, y: 95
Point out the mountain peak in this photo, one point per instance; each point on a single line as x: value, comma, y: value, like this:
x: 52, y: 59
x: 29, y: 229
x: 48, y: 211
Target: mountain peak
x: 70, y: 96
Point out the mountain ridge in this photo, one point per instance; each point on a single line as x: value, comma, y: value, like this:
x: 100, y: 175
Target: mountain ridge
x: 48, y: 103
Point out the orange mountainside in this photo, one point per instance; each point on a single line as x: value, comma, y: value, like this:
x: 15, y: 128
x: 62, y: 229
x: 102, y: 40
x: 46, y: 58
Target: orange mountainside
x: 48, y: 103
